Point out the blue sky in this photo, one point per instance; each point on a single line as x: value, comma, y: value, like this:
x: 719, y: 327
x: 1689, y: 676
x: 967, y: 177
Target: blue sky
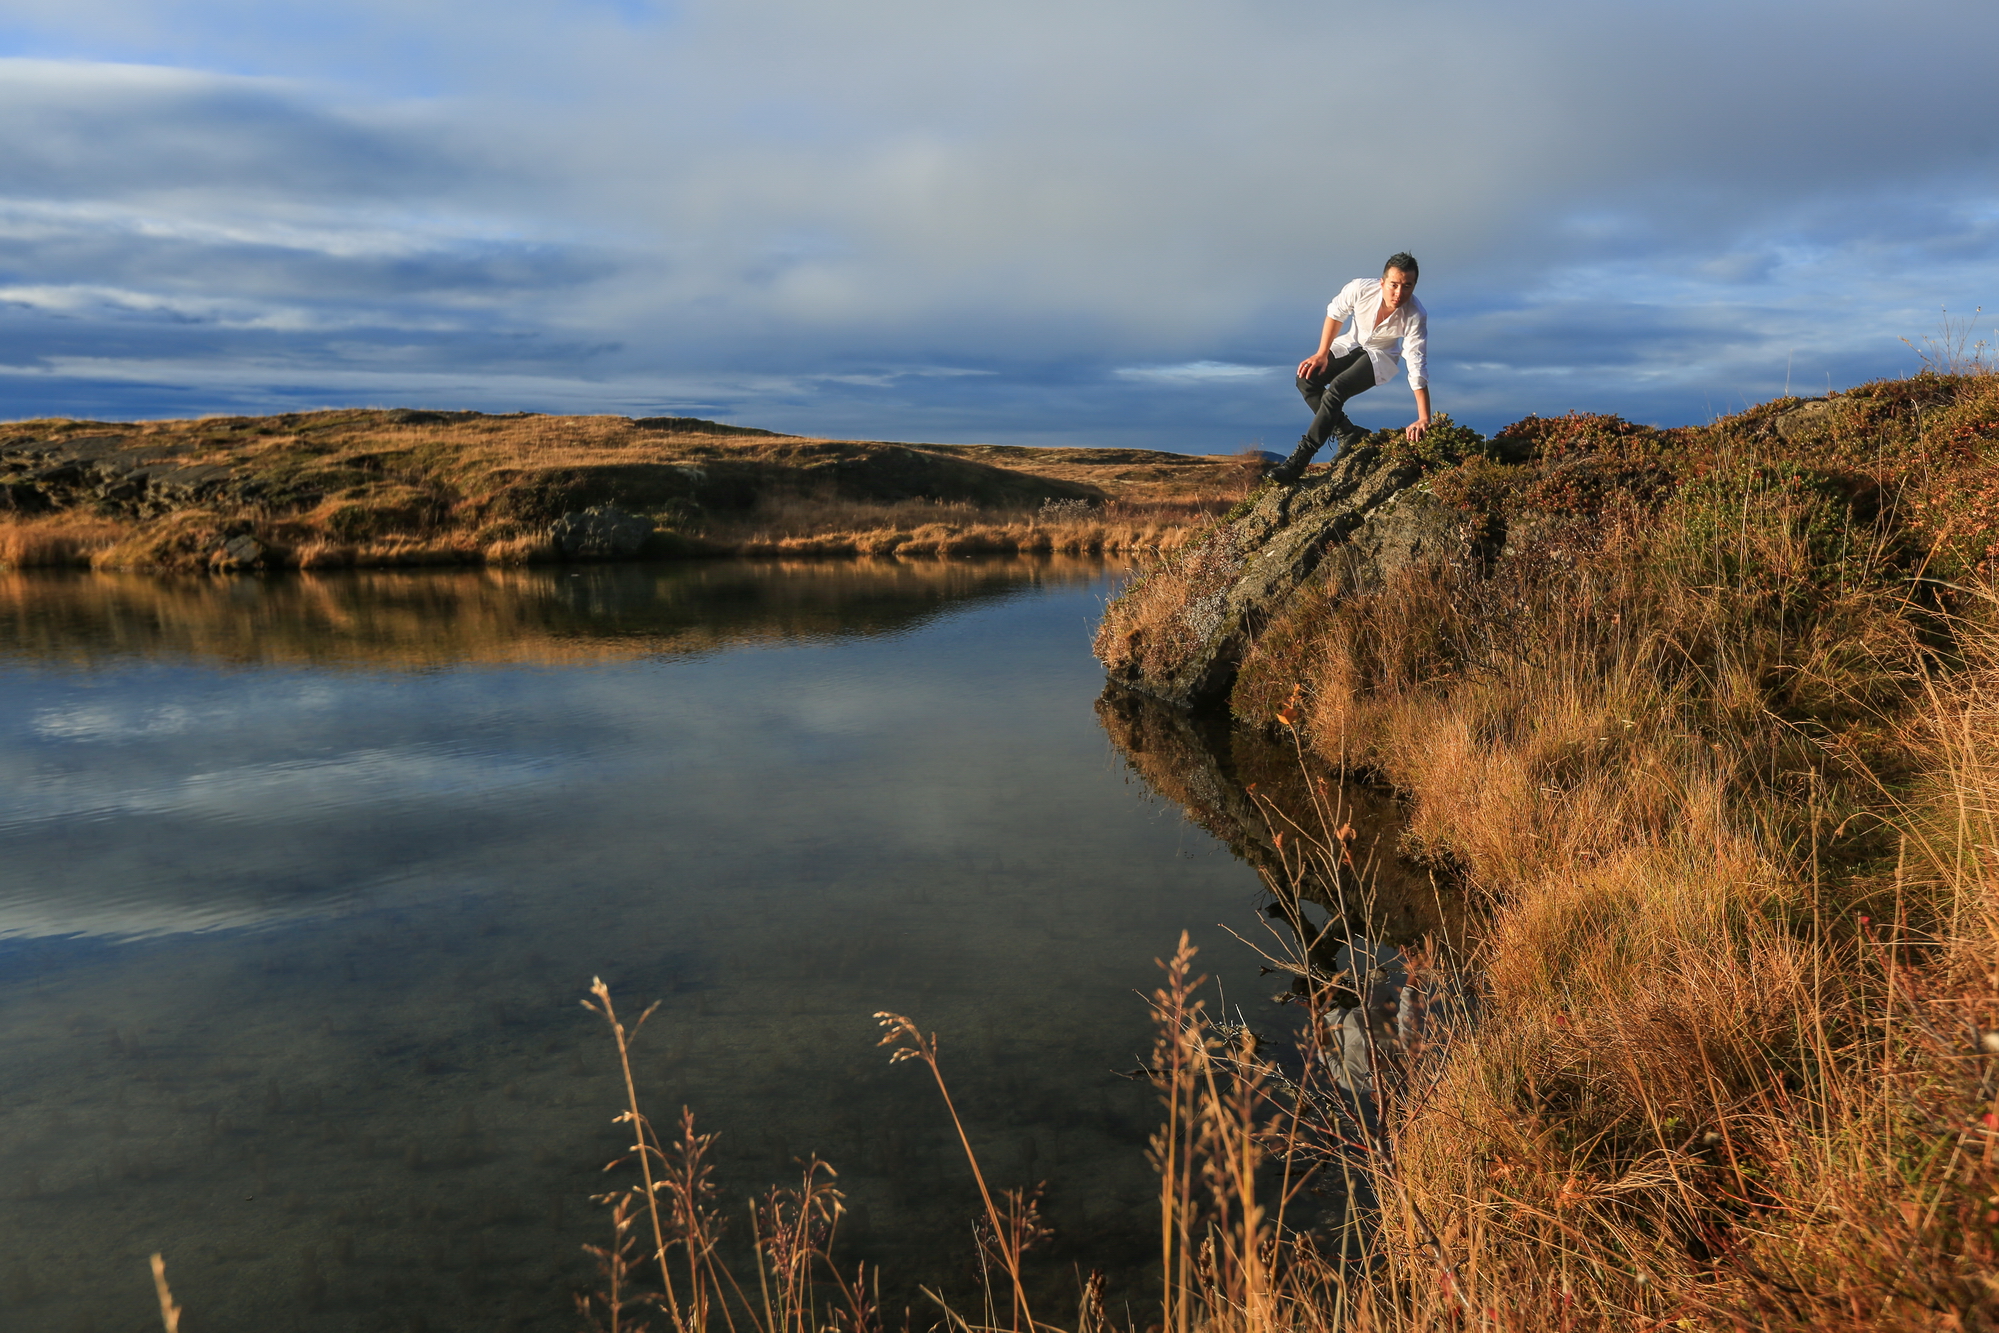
x: 1073, y: 222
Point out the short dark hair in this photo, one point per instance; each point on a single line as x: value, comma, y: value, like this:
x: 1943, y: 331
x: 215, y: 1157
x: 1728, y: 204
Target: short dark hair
x: 1403, y: 260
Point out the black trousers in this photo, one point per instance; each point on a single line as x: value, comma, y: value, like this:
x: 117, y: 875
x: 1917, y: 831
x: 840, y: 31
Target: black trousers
x: 1347, y: 377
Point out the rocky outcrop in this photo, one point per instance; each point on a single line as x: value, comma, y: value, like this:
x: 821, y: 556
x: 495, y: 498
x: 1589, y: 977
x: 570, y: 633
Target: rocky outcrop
x: 1360, y: 520
x: 240, y: 552
x: 702, y: 426
x: 111, y: 474
x: 600, y: 533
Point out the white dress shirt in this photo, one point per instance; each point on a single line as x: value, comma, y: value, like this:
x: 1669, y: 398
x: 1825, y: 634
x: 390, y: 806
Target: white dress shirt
x: 1404, y: 333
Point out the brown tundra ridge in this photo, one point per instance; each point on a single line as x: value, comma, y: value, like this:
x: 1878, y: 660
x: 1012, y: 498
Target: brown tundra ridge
x: 408, y: 487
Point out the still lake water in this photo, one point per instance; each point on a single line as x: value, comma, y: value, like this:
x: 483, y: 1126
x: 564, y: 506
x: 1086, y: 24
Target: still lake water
x: 302, y: 880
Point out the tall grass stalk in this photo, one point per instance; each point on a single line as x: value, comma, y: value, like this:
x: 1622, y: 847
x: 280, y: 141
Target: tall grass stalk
x: 1011, y: 1228
x: 791, y: 1232
x: 169, y: 1311
x: 1951, y: 349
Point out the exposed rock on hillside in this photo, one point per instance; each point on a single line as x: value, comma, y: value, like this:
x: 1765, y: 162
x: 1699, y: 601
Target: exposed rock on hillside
x: 602, y: 533
x: 112, y: 472
x: 1366, y: 511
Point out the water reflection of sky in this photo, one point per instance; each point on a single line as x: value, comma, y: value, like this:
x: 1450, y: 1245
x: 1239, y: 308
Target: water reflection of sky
x: 148, y: 798
x: 788, y: 831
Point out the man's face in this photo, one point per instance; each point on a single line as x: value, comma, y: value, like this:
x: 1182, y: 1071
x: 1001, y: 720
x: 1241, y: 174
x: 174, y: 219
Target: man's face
x: 1396, y: 287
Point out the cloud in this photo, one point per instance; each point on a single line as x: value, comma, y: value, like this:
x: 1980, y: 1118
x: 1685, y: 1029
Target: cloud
x: 782, y: 208
x: 1196, y: 372
x: 80, y: 130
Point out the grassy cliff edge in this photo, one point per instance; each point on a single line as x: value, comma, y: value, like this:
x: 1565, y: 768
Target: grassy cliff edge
x: 1704, y: 718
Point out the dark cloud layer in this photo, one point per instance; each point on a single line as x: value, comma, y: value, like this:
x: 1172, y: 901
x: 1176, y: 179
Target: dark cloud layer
x: 1109, y: 223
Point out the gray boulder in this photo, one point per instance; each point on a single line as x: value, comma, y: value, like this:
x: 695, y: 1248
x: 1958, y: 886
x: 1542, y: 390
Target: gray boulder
x: 241, y: 552
x: 600, y: 533
x: 1366, y: 511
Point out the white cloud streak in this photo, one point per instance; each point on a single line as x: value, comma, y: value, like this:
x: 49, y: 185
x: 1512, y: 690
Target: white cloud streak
x: 1196, y: 372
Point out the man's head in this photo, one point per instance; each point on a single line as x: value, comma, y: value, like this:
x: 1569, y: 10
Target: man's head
x: 1398, y: 280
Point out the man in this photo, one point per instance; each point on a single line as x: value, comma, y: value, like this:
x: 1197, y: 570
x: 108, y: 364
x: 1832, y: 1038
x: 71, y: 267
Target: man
x: 1389, y: 323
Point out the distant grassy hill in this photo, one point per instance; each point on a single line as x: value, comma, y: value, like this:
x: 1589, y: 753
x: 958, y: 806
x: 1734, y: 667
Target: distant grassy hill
x: 415, y: 486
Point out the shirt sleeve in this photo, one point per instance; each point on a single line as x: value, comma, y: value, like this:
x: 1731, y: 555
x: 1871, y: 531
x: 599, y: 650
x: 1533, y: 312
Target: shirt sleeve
x: 1416, y: 350
x: 1342, y: 306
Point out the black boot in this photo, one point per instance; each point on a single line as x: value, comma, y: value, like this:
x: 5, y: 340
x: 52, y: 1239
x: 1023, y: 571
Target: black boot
x: 1292, y: 468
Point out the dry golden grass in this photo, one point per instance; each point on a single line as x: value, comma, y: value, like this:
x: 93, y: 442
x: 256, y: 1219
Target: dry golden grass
x: 1707, y: 1091
x: 56, y: 539
x: 1160, y: 618
x: 1721, y: 766
x: 320, y: 490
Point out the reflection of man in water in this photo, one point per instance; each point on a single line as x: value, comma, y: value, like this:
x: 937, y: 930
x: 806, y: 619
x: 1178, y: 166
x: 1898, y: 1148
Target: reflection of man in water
x: 1389, y: 323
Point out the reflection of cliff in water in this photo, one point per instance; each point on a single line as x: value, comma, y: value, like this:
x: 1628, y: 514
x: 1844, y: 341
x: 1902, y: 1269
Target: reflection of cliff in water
x: 1244, y: 787
x: 545, y: 614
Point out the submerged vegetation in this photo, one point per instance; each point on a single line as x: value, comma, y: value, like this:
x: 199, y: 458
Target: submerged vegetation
x: 316, y: 490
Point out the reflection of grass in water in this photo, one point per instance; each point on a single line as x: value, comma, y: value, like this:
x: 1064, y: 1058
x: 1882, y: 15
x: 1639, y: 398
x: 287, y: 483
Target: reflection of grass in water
x: 529, y: 617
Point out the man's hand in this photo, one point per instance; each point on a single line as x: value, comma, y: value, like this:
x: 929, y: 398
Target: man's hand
x: 1312, y: 365
x: 1415, y: 430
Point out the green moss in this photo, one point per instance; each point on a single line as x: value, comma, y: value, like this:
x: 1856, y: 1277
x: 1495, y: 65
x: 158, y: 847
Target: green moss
x: 1725, y: 522
x: 1242, y: 507
x: 1445, y: 444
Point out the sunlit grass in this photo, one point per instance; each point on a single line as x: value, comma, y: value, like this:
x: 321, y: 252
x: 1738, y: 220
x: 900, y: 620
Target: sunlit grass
x: 366, y: 488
